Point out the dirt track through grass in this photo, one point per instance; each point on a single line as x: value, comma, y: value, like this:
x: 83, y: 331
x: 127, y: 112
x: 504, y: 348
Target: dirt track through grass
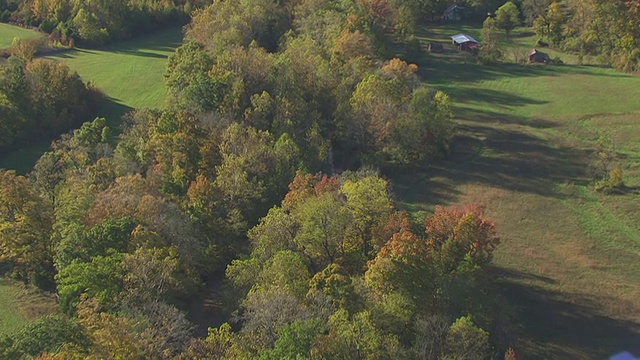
x: 570, y: 259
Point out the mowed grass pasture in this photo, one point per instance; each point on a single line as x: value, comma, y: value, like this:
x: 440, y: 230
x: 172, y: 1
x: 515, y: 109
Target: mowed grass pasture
x: 129, y: 73
x: 9, y: 32
x: 569, y: 262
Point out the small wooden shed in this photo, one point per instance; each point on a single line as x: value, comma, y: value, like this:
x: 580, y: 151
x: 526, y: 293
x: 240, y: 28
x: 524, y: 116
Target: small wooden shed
x: 536, y: 56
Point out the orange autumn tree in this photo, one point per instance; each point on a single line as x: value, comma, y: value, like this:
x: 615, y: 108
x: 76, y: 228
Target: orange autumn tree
x: 460, y: 234
x: 458, y: 239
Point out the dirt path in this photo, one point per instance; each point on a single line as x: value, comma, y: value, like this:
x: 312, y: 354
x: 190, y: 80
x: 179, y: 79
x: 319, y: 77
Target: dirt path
x: 206, y: 311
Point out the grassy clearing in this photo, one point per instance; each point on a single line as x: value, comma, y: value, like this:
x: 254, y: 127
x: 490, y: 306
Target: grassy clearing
x: 9, y: 32
x: 11, y: 318
x: 129, y: 73
x: 570, y: 257
x: 19, y: 305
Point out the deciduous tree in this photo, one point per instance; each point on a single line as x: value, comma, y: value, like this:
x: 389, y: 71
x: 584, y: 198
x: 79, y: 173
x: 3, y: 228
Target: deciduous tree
x: 508, y: 16
x: 490, y: 50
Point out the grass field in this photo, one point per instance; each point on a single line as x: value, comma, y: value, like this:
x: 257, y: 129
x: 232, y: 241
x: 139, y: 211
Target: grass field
x: 130, y: 74
x: 19, y: 305
x: 570, y: 258
x: 10, y: 319
x: 9, y: 32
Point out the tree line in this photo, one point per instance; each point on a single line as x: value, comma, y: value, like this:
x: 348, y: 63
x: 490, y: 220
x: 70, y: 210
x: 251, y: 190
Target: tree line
x: 96, y: 22
x: 608, y: 30
x: 260, y: 166
x: 40, y: 99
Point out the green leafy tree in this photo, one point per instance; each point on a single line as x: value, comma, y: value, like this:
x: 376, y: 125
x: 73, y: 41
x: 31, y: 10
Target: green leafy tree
x: 26, y: 219
x: 508, y: 16
x: 356, y: 337
x: 49, y: 334
x: 89, y: 27
x: 295, y: 341
x: 275, y: 232
x: 323, y: 221
x: 101, y: 279
x: 556, y: 22
x: 220, y: 343
x: 285, y: 270
x: 369, y: 204
x: 110, y: 235
x: 490, y: 52
x: 534, y: 9
x: 466, y: 341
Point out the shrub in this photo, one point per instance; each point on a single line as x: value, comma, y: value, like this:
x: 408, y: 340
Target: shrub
x: 557, y: 61
x: 612, y: 182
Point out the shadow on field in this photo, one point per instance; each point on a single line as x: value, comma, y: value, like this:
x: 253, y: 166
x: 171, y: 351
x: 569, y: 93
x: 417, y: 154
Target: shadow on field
x: 498, y: 157
x: 24, y: 158
x: 149, y: 45
x: 138, y: 52
x: 494, y: 118
x: 113, y: 110
x: 72, y: 53
x: 451, y: 68
x: 569, y: 330
x: 497, y: 99
x: 425, y: 186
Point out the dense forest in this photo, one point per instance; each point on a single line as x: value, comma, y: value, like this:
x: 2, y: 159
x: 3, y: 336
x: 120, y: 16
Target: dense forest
x: 263, y: 166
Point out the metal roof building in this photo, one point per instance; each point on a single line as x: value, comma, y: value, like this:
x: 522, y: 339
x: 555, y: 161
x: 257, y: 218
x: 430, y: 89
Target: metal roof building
x: 463, y: 38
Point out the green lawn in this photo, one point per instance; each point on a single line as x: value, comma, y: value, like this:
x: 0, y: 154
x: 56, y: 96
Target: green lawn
x: 130, y: 74
x: 10, y: 318
x: 20, y: 304
x: 570, y: 258
x: 9, y: 32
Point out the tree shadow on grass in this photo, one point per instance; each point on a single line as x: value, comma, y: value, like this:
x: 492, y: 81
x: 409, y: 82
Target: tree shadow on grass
x: 146, y: 46
x: 518, y: 161
x: 141, y: 53
x: 25, y: 157
x: 499, y: 158
x: 568, y: 326
x: 497, y: 99
x: 452, y: 68
x: 418, y: 189
x: 113, y: 110
x: 71, y: 53
x: 489, y: 117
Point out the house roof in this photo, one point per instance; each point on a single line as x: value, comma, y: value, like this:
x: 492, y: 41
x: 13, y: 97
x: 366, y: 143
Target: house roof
x: 463, y: 38
x: 453, y: 7
x: 535, y: 51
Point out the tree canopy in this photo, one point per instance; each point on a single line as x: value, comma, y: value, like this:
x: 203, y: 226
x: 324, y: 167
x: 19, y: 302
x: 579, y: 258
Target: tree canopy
x: 262, y: 166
